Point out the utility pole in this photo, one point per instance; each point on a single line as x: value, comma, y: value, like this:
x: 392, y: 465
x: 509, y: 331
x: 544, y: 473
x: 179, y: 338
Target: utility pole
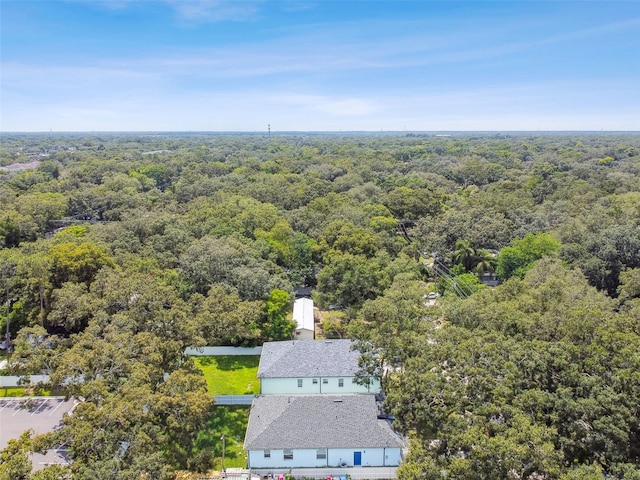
x: 7, y: 337
x: 269, y: 129
x: 223, y: 446
x: 7, y: 273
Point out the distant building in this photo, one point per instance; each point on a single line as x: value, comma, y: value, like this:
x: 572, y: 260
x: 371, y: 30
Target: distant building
x: 490, y: 279
x: 311, y: 367
x: 19, y: 167
x: 155, y: 152
x: 304, y: 318
x: 299, y: 431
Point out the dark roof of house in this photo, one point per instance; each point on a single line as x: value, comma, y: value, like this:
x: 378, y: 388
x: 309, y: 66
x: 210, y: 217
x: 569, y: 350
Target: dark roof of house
x: 303, y: 291
x: 317, y: 421
x: 308, y: 358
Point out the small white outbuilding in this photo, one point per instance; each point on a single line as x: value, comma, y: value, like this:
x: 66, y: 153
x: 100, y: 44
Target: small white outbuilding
x: 303, y: 316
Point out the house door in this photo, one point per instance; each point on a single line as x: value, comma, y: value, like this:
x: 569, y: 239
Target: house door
x: 357, y: 458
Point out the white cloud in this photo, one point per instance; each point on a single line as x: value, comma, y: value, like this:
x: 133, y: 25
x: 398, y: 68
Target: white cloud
x: 348, y: 106
x: 333, y: 105
x: 502, y: 107
x: 412, y: 74
x: 325, y: 50
x: 190, y: 11
x: 202, y: 11
x: 106, y: 4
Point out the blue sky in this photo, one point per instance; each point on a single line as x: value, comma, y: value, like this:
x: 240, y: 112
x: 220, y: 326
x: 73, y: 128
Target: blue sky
x: 179, y: 65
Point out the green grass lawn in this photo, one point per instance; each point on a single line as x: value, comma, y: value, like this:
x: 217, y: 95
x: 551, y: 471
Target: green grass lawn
x: 232, y: 422
x: 230, y: 374
x: 26, y: 392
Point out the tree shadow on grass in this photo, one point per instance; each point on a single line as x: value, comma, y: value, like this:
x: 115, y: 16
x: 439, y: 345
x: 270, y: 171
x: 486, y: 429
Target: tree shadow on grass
x: 232, y: 422
x: 237, y: 362
x: 229, y: 362
x: 205, y: 361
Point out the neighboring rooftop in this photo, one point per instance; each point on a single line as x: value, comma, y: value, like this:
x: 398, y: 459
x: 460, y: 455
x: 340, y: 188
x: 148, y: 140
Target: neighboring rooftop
x: 308, y: 358
x: 303, y: 314
x: 303, y: 292
x: 317, y: 421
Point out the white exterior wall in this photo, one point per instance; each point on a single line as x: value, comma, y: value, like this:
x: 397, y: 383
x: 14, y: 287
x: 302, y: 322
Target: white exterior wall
x: 301, y: 459
x: 337, y: 457
x: 392, y: 457
x: 333, y: 386
x: 370, y: 457
x: 304, y: 334
x: 213, y: 351
x: 18, y: 381
x: 284, y: 386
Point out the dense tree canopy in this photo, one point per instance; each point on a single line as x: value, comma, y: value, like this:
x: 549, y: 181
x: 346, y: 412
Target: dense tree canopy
x: 524, y: 381
x: 119, y: 250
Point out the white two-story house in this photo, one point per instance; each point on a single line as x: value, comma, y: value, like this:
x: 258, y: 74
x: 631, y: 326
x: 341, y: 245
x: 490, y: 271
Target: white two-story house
x: 313, y: 413
x: 319, y: 431
x: 312, y: 367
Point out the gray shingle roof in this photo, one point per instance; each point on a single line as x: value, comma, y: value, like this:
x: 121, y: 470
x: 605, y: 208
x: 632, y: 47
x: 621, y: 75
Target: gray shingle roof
x: 308, y: 358
x: 317, y: 421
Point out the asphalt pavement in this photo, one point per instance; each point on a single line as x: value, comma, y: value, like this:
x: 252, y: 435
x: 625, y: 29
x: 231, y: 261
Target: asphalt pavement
x: 40, y: 414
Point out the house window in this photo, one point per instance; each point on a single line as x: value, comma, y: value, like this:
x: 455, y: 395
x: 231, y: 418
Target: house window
x: 341, y: 382
x: 288, y: 454
x: 321, y: 454
x: 325, y: 381
x: 267, y: 454
x: 299, y: 383
x: 314, y: 381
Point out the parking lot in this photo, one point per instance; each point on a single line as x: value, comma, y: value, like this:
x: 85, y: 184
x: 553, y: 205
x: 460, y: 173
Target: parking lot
x: 40, y: 414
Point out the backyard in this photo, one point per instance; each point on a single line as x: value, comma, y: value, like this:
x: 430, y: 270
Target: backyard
x: 232, y: 423
x: 227, y: 375
x: 230, y: 374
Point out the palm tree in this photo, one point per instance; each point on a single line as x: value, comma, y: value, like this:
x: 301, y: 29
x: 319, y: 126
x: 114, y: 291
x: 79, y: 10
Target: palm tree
x: 473, y: 260
x: 464, y: 255
x: 484, y: 261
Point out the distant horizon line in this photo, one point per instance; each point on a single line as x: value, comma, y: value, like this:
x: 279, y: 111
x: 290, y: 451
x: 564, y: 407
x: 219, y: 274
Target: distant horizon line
x: 276, y: 132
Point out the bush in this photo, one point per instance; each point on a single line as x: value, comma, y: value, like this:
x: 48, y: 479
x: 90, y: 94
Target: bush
x: 201, y: 462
